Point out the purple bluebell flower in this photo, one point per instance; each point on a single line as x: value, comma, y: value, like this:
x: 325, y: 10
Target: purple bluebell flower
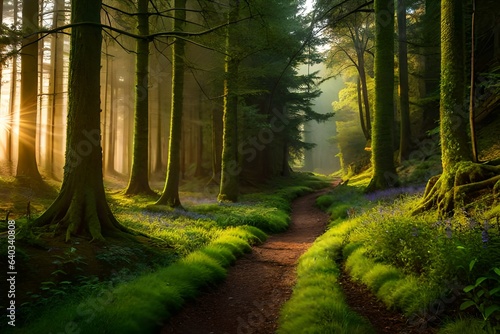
x: 485, y: 237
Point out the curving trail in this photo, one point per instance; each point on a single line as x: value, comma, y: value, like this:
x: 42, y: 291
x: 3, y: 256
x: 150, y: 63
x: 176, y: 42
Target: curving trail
x: 259, y: 284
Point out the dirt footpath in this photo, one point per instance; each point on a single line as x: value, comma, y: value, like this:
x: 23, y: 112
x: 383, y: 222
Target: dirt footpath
x: 258, y: 285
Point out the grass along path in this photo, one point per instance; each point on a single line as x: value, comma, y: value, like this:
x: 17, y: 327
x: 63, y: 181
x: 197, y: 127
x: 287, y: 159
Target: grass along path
x: 250, y: 299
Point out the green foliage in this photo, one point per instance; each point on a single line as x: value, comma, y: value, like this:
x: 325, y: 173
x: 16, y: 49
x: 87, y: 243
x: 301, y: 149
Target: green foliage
x: 266, y: 210
x: 343, y: 202
x: 390, y: 284
x: 246, y: 213
x: 484, y: 294
x: 416, y: 171
x: 177, y: 230
x: 467, y: 325
x: 422, y: 245
x: 410, y: 262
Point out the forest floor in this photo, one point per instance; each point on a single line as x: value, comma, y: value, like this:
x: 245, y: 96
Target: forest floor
x: 250, y: 299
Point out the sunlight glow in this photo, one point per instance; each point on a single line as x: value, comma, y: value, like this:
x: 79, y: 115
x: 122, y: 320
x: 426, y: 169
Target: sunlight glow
x: 5, y: 122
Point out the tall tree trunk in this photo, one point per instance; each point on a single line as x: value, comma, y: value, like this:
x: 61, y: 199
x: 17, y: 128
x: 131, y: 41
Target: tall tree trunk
x: 360, y: 109
x: 384, y: 171
x: 26, y: 163
x: 170, y: 195
x: 81, y: 207
x: 286, y: 170
x: 199, y: 149
x: 105, y: 109
x: 230, y: 166
x: 216, y: 155
x: 364, y: 90
x: 308, y: 154
x: 460, y: 177
x: 139, y: 175
x: 13, y: 89
x: 158, y: 153
x: 432, y: 28
x: 454, y: 141
x: 472, y: 109
x: 55, y: 87
x: 113, y: 120
x: 404, y: 99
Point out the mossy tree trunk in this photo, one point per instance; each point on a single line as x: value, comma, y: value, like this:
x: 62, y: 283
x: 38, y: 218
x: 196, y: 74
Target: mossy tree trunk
x: 26, y: 164
x: 461, y: 178
x: 404, y: 98
x: 170, y: 195
x: 81, y: 208
x: 453, y: 116
x: 384, y: 171
x: 229, y: 186
x: 139, y: 176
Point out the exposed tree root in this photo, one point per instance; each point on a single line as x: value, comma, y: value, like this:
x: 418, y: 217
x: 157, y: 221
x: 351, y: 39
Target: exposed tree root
x: 449, y: 190
x: 84, y: 214
x: 139, y: 189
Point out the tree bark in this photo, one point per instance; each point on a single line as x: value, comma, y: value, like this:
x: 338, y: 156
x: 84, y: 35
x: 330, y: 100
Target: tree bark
x: 216, y: 155
x: 472, y: 109
x: 81, y: 207
x: 364, y: 90
x: 454, y: 141
x: 404, y: 99
x: 13, y: 89
x: 113, y: 121
x: 170, y: 195
x: 158, y: 152
x: 199, y: 172
x: 384, y: 171
x: 229, y: 186
x: 139, y: 175
x: 360, y: 109
x: 26, y: 163
x: 461, y: 177
x: 55, y: 89
x: 432, y: 29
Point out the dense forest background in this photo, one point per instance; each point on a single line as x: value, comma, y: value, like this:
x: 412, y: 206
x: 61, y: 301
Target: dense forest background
x: 136, y: 134
x: 202, y: 89
x: 344, y: 44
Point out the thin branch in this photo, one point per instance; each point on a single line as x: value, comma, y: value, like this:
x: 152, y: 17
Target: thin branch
x: 157, y: 13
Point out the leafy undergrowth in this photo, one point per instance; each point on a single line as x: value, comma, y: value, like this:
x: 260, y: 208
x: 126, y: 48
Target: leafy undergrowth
x: 439, y: 273
x: 186, y: 251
